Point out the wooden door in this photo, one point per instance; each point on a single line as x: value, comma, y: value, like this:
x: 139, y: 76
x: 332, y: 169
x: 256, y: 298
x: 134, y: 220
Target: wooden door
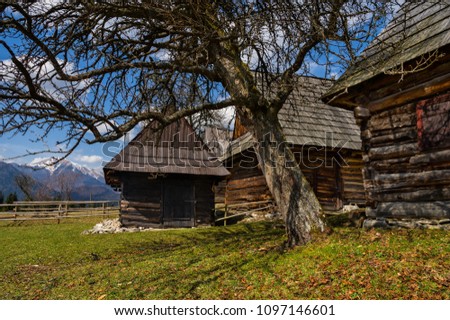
x: 179, y: 204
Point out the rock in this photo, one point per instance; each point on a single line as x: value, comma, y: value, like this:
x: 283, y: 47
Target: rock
x: 371, y: 223
x: 349, y: 208
x: 406, y: 224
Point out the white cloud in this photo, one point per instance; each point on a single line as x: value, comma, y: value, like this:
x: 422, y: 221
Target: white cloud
x: 43, y: 6
x: 103, y: 128
x: 89, y: 159
x: 227, y: 116
x: 44, y: 75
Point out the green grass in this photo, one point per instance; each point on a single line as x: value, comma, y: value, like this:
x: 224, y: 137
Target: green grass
x: 245, y: 261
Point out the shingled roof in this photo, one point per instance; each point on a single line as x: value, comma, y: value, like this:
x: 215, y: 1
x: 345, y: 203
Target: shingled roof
x: 306, y: 120
x: 418, y: 28
x: 175, y: 149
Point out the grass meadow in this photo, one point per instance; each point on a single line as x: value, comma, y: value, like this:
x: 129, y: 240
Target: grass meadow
x: 46, y: 260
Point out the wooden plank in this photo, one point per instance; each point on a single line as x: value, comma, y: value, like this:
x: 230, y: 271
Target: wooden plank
x: 247, y: 182
x: 247, y: 198
x: 57, y: 203
x: 140, y: 218
x: 141, y: 204
x: 55, y: 218
x: 143, y: 212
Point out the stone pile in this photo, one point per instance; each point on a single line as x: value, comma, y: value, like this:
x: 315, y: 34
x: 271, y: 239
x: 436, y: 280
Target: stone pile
x: 111, y: 226
x: 261, y: 216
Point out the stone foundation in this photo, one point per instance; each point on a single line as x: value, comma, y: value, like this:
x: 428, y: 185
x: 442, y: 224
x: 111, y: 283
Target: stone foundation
x: 387, y: 223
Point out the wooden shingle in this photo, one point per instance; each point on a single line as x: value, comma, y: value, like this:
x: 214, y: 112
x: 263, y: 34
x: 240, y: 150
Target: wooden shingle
x: 417, y: 29
x: 306, y: 120
x: 175, y: 150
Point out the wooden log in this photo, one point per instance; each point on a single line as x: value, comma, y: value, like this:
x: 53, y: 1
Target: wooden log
x: 247, y: 182
x: 427, y: 210
x: 389, y: 164
x: 140, y: 218
x: 426, y: 158
x: 411, y: 179
x: 420, y: 91
x: 249, y: 198
x: 355, y: 187
x: 366, y: 134
x: 393, y: 151
x: 134, y: 223
x: 142, y: 211
x: 361, y: 112
x: 141, y: 204
x: 250, y: 191
x: 435, y: 194
x: 405, y: 135
x: 389, y: 122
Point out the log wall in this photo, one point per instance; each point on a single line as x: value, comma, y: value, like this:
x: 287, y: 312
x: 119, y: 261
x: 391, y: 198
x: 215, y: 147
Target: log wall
x: 246, y: 183
x: 204, y: 197
x: 142, y: 205
x: 352, y: 178
x: 336, y: 178
x: 407, y: 160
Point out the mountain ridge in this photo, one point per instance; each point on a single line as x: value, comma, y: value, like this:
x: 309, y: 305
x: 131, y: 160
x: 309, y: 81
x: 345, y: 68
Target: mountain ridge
x: 64, y: 180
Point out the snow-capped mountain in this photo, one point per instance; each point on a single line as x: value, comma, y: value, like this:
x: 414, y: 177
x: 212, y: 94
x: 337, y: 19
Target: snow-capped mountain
x: 56, y: 180
x: 64, y: 165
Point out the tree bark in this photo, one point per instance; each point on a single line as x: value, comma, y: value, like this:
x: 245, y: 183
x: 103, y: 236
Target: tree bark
x: 290, y: 189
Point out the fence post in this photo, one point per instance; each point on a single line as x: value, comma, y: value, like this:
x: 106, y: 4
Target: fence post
x: 225, y: 215
x: 103, y: 208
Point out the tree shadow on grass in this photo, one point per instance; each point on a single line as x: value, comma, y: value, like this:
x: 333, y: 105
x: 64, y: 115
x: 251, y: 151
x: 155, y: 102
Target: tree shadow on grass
x: 195, y: 261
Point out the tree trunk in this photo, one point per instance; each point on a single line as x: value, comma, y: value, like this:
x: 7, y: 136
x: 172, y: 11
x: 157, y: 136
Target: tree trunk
x: 291, y: 191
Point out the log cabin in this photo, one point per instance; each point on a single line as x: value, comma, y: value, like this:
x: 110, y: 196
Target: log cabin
x: 326, y: 144
x: 166, y: 178
x: 399, y: 91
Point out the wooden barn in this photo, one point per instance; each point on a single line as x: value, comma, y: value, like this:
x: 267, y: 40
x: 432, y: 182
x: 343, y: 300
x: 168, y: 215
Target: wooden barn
x: 166, y: 178
x: 399, y: 91
x: 325, y: 141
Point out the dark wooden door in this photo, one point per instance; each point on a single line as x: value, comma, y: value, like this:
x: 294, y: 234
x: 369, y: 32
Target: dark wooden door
x: 179, y: 204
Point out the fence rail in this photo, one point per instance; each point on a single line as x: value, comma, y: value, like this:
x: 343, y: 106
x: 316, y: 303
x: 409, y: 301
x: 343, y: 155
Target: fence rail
x: 57, y: 210
x: 231, y: 211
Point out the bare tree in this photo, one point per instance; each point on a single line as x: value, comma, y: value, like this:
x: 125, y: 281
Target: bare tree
x: 27, y: 185
x: 64, y: 183
x: 32, y: 189
x: 84, y: 64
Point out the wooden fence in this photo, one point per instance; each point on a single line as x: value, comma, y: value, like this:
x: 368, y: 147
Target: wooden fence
x: 56, y: 210
x: 231, y: 211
